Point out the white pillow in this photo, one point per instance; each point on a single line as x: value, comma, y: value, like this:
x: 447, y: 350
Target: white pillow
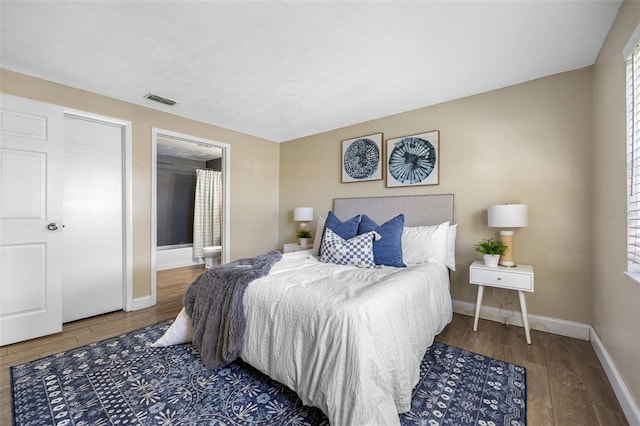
x: 318, y: 236
x: 451, y: 247
x: 181, y: 331
x: 425, y: 244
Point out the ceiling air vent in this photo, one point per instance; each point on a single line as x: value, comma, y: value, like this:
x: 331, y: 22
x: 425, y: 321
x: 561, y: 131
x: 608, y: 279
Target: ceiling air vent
x: 160, y: 99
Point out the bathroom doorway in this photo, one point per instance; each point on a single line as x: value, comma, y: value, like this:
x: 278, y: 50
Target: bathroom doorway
x: 178, y: 160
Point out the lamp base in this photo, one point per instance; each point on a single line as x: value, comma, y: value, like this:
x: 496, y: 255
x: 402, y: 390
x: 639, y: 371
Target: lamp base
x: 506, y: 238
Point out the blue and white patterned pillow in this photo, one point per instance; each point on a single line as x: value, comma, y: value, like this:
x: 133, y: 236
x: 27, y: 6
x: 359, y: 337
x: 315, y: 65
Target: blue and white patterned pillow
x: 356, y: 251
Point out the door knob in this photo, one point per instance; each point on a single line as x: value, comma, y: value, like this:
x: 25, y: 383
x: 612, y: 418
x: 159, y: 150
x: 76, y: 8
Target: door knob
x: 52, y: 227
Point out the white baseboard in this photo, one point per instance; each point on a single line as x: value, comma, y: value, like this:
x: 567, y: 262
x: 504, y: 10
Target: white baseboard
x: 626, y: 400
x: 143, y: 302
x: 536, y: 322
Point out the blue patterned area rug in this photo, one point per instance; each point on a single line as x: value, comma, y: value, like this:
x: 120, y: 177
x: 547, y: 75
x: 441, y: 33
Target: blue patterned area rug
x: 124, y: 381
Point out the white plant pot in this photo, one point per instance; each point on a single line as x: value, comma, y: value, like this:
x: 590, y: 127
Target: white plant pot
x: 304, y: 242
x: 491, y: 260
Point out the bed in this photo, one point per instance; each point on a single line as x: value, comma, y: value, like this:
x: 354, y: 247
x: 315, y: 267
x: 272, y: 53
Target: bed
x: 347, y: 339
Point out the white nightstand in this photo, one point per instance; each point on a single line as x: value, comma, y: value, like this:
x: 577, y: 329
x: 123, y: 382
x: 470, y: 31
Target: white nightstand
x: 519, y: 278
x: 291, y: 247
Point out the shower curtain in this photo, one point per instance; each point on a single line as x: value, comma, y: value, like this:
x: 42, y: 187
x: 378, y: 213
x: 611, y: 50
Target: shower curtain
x: 207, y: 216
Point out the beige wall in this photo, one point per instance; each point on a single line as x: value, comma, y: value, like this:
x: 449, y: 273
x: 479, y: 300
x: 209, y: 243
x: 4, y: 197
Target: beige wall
x: 616, y: 298
x: 254, y: 169
x: 529, y: 143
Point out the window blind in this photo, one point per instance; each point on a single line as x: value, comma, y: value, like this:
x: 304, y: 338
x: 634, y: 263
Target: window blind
x: 633, y: 161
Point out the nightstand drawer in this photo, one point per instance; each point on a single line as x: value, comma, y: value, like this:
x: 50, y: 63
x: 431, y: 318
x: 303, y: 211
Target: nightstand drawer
x: 293, y: 247
x: 499, y: 278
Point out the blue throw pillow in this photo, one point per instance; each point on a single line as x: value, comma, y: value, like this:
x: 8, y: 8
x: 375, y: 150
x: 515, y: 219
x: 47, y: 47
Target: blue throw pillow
x: 388, y: 249
x: 346, y: 230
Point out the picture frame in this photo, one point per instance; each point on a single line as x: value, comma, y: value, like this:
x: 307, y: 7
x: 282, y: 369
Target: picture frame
x: 362, y: 158
x: 413, y: 160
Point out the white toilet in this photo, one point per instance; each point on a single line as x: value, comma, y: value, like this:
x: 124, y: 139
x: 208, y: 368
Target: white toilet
x: 211, y: 255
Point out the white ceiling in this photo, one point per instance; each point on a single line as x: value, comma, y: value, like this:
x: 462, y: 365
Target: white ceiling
x: 282, y: 70
x: 193, y: 150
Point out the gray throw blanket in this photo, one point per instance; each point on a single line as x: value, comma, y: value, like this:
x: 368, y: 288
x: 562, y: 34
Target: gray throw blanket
x: 215, y: 303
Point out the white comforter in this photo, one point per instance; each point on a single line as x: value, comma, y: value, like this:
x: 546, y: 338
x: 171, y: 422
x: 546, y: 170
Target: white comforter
x: 346, y: 340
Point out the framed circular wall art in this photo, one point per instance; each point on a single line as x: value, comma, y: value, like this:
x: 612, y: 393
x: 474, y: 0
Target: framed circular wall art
x: 413, y: 160
x: 362, y: 158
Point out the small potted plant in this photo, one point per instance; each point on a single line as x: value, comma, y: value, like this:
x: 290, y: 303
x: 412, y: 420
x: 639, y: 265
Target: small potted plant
x: 303, y: 235
x: 491, y: 250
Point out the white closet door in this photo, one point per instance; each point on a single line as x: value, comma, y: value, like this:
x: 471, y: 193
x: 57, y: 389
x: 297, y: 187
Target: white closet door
x: 93, y: 218
x: 31, y: 149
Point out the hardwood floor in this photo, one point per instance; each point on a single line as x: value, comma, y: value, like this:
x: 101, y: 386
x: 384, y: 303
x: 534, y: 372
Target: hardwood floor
x: 566, y: 384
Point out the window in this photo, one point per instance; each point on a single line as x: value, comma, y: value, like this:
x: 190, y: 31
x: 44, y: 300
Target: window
x: 633, y: 161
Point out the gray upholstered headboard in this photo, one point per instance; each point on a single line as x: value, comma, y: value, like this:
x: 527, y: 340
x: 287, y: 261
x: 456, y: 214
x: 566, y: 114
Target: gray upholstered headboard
x: 418, y: 209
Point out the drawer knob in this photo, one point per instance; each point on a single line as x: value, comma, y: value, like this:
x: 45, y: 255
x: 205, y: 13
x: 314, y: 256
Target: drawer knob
x: 499, y: 278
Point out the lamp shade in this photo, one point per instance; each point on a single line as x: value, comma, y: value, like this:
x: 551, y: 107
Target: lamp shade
x: 508, y: 216
x: 303, y: 214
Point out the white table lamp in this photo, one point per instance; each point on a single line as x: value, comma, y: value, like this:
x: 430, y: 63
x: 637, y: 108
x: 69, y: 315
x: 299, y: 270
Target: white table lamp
x: 508, y: 216
x: 303, y: 215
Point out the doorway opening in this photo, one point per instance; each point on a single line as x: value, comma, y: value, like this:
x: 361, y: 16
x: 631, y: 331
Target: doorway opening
x: 178, y: 162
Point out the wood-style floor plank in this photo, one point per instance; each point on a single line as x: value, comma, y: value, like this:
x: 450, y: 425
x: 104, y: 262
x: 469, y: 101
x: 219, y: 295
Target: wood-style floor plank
x: 539, y: 401
x: 566, y: 384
